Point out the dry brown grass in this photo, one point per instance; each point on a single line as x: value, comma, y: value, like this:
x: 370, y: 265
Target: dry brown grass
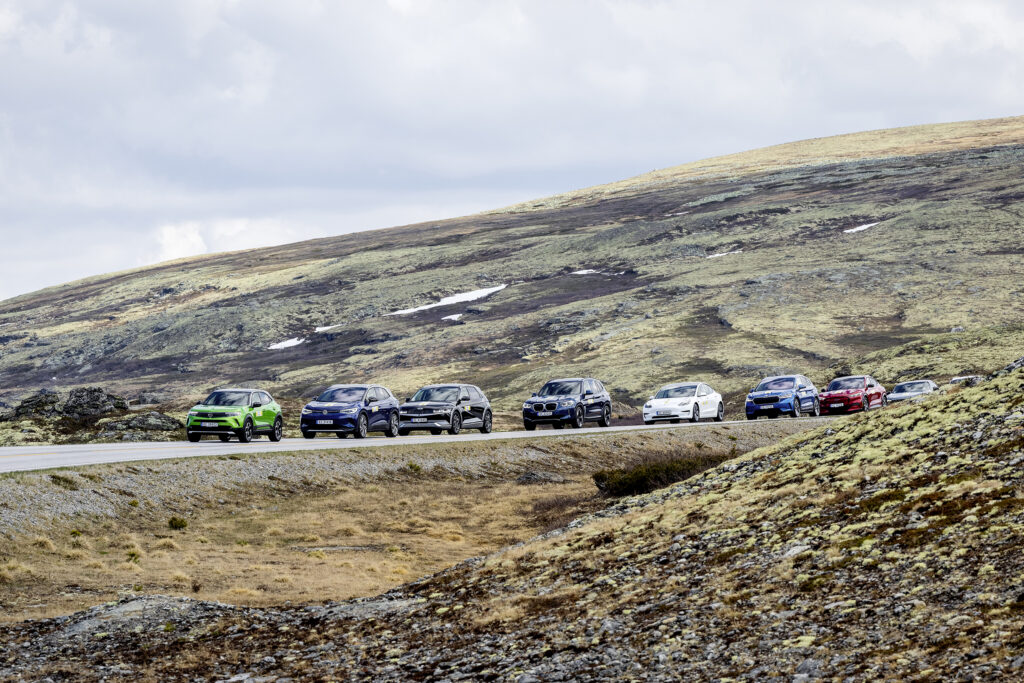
x: 352, y: 542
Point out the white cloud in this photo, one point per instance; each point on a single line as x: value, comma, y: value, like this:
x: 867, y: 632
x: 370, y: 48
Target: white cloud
x: 307, y: 118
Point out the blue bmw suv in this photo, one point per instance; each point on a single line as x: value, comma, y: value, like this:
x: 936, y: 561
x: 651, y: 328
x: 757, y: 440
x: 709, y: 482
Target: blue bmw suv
x: 571, y: 402
x: 784, y: 395
x: 355, y: 409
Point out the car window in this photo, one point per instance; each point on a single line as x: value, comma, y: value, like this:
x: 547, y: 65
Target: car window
x: 342, y: 395
x: 443, y: 394
x: 776, y: 384
x: 464, y: 394
x: 600, y: 387
x: 265, y: 398
x: 677, y: 392
x: 560, y: 389
x: 227, y: 398
x: 474, y: 393
x: 846, y: 383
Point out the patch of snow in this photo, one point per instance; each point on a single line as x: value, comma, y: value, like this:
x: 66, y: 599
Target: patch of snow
x: 287, y: 343
x: 860, y: 228
x: 588, y: 271
x: 328, y: 327
x: 453, y: 299
x: 453, y: 316
x: 681, y: 213
x: 725, y: 253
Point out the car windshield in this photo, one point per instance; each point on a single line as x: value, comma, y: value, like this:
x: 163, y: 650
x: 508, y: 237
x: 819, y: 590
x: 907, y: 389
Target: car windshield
x: 227, y: 398
x: 777, y: 384
x: 677, y: 392
x: 846, y: 383
x: 443, y: 394
x: 342, y: 395
x: 908, y: 387
x: 560, y: 389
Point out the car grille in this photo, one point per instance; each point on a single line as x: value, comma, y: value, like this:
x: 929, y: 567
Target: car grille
x: 763, y: 400
x: 420, y: 411
x: 212, y: 414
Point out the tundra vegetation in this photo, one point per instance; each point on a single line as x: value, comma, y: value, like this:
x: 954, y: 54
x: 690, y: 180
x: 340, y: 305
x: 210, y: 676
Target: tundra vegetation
x: 882, y: 546
x: 612, y: 281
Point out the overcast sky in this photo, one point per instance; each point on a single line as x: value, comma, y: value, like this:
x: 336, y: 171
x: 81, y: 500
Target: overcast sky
x: 133, y: 132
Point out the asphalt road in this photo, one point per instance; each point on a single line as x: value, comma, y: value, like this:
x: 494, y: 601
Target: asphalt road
x: 27, y: 458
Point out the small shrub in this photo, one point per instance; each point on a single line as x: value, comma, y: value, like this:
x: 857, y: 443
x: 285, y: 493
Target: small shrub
x: 414, y: 467
x: 196, y: 585
x: 64, y: 481
x: 177, y: 523
x: 650, y: 475
x: 134, y: 556
x: 43, y: 542
x: 76, y: 533
x: 134, y: 503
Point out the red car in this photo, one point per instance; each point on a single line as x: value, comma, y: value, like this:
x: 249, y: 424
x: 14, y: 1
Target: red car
x: 847, y: 394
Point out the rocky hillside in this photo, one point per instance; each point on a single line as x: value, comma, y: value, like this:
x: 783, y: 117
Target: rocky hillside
x: 884, y: 546
x: 793, y: 257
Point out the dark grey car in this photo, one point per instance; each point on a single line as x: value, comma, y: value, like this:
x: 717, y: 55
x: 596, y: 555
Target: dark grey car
x: 446, y: 407
x: 912, y: 389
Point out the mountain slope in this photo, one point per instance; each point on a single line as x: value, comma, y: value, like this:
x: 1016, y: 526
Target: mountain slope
x: 788, y: 288
x: 884, y: 546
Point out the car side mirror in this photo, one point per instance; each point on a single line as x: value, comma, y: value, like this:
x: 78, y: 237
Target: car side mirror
x: 408, y: 399
x: 371, y: 399
x: 534, y: 394
x: 257, y: 405
x: 650, y: 398
x: 588, y: 392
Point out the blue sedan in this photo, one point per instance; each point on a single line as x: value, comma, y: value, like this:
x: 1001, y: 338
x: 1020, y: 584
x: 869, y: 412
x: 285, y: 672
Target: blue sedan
x: 571, y: 402
x: 355, y: 409
x: 784, y: 395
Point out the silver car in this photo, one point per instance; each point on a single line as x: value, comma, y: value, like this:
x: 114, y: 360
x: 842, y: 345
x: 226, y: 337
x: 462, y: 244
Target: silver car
x: 912, y: 389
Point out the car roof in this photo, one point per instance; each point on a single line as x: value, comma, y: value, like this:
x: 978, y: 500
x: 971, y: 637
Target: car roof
x: 237, y: 389
x: 350, y: 386
x: 850, y: 377
x: 569, y: 379
x: 779, y: 377
x: 447, y: 384
x: 681, y: 384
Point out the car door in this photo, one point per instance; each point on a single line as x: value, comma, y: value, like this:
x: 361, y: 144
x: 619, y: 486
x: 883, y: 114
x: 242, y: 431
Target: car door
x: 602, y: 397
x: 805, y: 393
x: 591, y: 406
x: 464, y: 404
x: 256, y: 403
x: 372, y: 402
x: 704, y: 399
x: 478, y: 405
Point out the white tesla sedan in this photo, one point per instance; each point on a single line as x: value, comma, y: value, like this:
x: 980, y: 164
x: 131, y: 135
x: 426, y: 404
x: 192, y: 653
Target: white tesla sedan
x: 693, y: 401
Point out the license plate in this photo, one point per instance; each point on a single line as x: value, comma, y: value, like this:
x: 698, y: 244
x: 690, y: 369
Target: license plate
x: 664, y: 412
x: 767, y: 407
x: 209, y: 424
x: 419, y: 419
x: 325, y: 422
x: 835, y: 405
x: 543, y: 413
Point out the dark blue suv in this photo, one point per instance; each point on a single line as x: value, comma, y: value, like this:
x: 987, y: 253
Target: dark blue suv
x: 355, y: 409
x: 571, y: 402
x: 784, y: 395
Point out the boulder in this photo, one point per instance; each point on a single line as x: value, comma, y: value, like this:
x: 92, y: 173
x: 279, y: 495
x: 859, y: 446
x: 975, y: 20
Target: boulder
x: 92, y: 402
x: 152, y: 421
x: 43, y: 404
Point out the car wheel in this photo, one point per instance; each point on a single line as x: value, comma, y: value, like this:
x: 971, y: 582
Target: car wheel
x: 278, y: 431
x: 720, y: 415
x: 392, y: 430
x: 436, y: 432
x: 865, y: 404
x: 606, y: 417
x: 194, y: 438
x: 361, y: 426
x: 245, y: 433
x: 695, y: 415
x: 817, y: 408
x: 403, y: 432
x: 456, y: 424
x: 308, y: 435
x: 488, y: 423
x: 224, y: 437
x: 529, y: 426
x: 885, y: 400
x: 796, y: 408
x: 577, y: 418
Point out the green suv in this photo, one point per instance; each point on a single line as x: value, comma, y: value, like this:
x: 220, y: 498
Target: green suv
x: 236, y: 412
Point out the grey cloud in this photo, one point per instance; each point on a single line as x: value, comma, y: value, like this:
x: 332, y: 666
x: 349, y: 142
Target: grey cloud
x: 120, y: 118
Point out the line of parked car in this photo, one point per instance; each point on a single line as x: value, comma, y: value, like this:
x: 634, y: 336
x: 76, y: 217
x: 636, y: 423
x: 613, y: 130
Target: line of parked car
x: 358, y: 409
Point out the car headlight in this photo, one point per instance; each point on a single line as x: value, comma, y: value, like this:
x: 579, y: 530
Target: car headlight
x: 526, y: 406
x: 349, y: 411
x: 232, y: 412
x: 648, y: 406
x: 567, y: 404
x: 192, y: 413
x: 306, y: 411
